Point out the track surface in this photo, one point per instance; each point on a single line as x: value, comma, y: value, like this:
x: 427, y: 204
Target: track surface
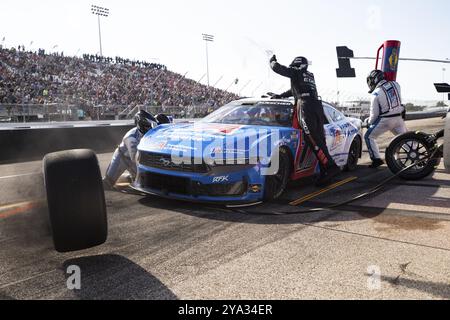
x: 160, y: 249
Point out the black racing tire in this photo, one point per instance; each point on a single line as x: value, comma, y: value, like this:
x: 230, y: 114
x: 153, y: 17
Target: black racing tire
x: 76, y: 200
x: 275, y: 185
x: 353, y: 155
x: 408, y: 148
x: 446, y: 150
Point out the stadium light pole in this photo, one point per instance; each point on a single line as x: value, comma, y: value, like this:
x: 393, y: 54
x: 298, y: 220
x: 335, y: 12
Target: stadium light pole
x: 207, y: 38
x: 100, y: 12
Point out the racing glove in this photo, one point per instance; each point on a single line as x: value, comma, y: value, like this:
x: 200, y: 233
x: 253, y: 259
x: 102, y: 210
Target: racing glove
x: 365, y: 123
x: 404, y: 112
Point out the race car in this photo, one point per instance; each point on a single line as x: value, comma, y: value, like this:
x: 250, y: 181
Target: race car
x: 245, y: 152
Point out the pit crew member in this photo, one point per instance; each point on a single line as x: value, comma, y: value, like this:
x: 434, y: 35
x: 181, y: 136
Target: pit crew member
x: 124, y: 158
x: 309, y: 112
x: 386, y: 113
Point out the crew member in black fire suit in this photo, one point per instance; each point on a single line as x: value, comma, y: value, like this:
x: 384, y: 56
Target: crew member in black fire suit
x: 310, y: 113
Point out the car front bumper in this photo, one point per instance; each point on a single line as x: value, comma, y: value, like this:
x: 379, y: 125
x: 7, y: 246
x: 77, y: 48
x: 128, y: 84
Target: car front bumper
x: 227, y: 186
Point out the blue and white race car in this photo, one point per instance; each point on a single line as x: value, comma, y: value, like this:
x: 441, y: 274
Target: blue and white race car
x: 243, y: 153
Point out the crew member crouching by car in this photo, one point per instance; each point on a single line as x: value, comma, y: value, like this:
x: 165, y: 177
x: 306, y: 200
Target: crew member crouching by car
x: 124, y: 158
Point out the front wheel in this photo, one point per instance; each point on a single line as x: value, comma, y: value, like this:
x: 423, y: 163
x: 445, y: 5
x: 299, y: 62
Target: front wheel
x: 407, y: 149
x: 276, y: 184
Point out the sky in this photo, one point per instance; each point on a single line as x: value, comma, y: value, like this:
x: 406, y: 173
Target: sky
x: 170, y: 32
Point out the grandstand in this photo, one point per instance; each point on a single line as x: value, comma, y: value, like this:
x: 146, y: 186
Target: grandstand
x: 35, y: 86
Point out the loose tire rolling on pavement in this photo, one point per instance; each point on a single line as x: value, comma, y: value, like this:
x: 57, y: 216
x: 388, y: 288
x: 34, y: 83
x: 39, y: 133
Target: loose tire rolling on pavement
x: 76, y: 200
x: 407, y: 149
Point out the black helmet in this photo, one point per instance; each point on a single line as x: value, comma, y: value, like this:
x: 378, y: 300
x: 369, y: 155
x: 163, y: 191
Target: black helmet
x: 162, y: 119
x: 374, y: 78
x: 300, y: 63
x: 144, y: 121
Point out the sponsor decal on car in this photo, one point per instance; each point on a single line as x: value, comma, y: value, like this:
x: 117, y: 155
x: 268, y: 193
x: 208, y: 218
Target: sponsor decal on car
x: 226, y: 129
x: 158, y: 145
x: 221, y: 179
x: 338, y: 138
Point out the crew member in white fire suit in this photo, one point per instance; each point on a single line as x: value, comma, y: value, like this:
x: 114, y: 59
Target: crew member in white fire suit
x: 124, y: 158
x: 386, y: 113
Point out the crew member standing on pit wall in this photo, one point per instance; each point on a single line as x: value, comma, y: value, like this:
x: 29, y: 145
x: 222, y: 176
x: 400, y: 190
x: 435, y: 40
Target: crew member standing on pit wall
x: 310, y: 113
x: 386, y: 113
x: 124, y: 158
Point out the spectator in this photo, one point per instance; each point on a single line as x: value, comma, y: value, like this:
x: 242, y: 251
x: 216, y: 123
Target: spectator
x: 95, y: 80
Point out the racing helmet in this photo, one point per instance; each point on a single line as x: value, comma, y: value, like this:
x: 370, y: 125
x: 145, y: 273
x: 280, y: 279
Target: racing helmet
x: 374, y: 78
x: 162, y: 119
x: 144, y: 121
x: 300, y: 63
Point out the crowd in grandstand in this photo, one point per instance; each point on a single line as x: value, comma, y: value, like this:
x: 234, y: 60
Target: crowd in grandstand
x: 39, y: 78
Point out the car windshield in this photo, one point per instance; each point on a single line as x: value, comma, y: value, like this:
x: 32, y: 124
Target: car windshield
x: 262, y: 114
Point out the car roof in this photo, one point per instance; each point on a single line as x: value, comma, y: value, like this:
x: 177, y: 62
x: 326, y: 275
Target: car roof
x: 253, y: 101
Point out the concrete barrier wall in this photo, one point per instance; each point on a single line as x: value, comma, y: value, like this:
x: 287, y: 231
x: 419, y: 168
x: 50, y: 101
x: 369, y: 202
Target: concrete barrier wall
x: 27, y: 142
x: 424, y: 115
x: 33, y: 144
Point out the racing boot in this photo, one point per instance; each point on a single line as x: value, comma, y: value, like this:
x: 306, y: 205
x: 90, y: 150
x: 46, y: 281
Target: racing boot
x: 376, y: 163
x: 327, y: 176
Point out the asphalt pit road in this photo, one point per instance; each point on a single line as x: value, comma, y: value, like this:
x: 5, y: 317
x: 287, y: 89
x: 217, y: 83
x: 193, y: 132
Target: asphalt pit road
x: 114, y: 277
x: 436, y: 289
x: 25, y: 222
x: 255, y: 214
x: 21, y: 188
x: 393, y: 223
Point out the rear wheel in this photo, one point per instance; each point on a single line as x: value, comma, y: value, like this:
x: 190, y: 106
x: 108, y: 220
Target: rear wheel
x: 276, y: 184
x: 76, y: 200
x: 407, y: 149
x: 353, y: 155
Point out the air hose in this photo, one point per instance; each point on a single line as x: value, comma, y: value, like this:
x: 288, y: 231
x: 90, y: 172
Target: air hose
x: 336, y: 205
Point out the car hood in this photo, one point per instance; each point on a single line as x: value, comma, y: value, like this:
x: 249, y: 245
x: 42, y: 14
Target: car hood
x: 356, y: 122
x: 198, y: 139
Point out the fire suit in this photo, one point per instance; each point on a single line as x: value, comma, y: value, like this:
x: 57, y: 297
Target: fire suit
x: 309, y: 110
x: 385, y: 115
x: 124, y: 158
